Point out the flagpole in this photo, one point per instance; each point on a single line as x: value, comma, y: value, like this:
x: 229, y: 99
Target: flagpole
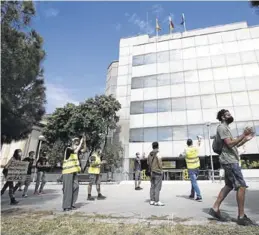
x: 147, y: 23
x: 184, y: 26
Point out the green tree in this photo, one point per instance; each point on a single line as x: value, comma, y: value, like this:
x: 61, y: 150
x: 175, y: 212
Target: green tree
x: 22, y: 84
x: 95, y: 118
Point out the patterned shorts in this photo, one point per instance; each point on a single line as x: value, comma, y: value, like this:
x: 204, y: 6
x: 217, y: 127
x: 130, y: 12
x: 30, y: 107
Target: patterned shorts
x: 233, y: 176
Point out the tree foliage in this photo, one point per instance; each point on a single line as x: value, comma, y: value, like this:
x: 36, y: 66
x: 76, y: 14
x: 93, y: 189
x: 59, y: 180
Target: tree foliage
x: 95, y: 118
x: 254, y: 3
x: 22, y: 84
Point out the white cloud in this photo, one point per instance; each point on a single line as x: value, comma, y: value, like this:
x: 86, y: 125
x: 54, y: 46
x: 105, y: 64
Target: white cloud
x: 157, y: 9
x: 58, y: 96
x: 118, y: 27
x: 51, y: 12
x: 144, y: 26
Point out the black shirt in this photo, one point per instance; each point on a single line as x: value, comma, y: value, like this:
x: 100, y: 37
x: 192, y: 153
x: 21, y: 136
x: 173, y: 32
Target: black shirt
x: 43, y: 164
x: 30, y: 160
x: 69, y: 152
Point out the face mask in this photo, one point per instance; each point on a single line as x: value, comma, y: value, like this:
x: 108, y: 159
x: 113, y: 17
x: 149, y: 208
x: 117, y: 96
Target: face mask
x: 229, y: 120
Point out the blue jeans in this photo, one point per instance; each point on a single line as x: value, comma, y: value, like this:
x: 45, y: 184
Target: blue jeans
x: 193, y: 174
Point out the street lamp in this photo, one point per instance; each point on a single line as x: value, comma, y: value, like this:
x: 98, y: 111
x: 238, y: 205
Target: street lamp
x: 41, y: 138
x: 211, y: 159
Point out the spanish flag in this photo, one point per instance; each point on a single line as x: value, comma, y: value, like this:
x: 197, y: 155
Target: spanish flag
x: 171, y: 24
x: 157, y: 26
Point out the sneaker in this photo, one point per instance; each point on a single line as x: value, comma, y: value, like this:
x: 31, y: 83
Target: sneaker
x: 74, y: 208
x: 191, y: 197
x: 198, y: 199
x: 101, y: 197
x: 245, y: 221
x: 25, y: 195
x: 67, y: 209
x: 152, y: 203
x: 90, y: 198
x: 139, y: 188
x: 14, y: 202
x: 41, y: 192
x: 36, y: 193
x: 216, y: 214
x: 159, y: 204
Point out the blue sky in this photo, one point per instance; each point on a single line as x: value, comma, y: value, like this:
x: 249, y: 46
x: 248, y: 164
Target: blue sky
x: 82, y: 38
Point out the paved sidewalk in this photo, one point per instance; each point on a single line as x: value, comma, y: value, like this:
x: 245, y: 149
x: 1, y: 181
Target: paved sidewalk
x: 123, y: 201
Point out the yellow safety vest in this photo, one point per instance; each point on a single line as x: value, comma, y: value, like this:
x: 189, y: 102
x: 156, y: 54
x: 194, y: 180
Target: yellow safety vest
x: 71, y: 165
x: 192, y: 158
x: 95, y: 169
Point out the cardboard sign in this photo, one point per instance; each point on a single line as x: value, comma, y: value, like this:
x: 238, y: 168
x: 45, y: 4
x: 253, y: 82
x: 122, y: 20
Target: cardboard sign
x: 17, y: 171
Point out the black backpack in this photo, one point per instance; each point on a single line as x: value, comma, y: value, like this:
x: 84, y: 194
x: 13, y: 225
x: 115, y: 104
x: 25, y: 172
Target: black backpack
x: 217, y: 144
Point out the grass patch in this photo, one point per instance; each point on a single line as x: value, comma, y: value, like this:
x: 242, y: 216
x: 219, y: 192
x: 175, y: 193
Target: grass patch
x: 46, y: 223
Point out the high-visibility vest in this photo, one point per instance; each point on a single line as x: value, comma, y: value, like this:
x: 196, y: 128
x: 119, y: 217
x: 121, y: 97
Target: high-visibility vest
x: 192, y: 158
x: 71, y: 165
x: 95, y: 169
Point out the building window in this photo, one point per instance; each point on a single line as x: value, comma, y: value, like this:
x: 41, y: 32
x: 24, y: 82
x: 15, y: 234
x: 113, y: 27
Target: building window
x: 150, y: 134
x: 162, y: 57
x: 208, y: 101
x: 193, y: 102
x: 137, y: 107
x: 175, y: 55
x: 195, y: 130
x: 150, y: 106
x: 179, y: 132
x: 163, y: 79
x: 178, y: 104
x: 150, y: 81
x: 137, y: 83
x: 164, y: 105
x: 177, y: 78
x: 138, y: 60
x: 165, y: 133
x: 256, y: 126
x: 136, y: 135
x: 150, y: 58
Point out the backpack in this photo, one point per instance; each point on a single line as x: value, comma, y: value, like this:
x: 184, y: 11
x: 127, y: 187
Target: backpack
x: 148, y: 170
x: 217, y: 144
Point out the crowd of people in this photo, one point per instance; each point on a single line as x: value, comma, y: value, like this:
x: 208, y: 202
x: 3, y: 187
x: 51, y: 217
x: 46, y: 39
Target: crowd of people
x: 224, y: 144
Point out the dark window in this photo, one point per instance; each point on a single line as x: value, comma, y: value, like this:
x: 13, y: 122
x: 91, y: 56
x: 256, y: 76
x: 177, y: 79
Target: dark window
x: 150, y: 134
x: 137, y: 83
x: 150, y: 106
x: 164, y: 105
x: 136, y: 135
x: 165, y: 133
x: 136, y: 107
x: 138, y: 60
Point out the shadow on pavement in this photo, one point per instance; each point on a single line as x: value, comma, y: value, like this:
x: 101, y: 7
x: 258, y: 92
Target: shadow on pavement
x: 183, y: 196
x: 224, y: 214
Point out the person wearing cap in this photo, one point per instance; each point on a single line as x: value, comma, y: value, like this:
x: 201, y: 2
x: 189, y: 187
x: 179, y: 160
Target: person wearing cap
x: 70, y: 168
x: 137, y: 171
x: 95, y: 175
x: 191, y: 154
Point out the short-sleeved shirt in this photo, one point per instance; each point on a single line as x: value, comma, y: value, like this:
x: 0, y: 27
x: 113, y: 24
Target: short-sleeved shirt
x: 228, y: 155
x: 137, y: 165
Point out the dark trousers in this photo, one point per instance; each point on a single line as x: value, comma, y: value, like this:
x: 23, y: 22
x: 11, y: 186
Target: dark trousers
x: 11, y: 189
x: 156, y: 185
x: 70, y: 190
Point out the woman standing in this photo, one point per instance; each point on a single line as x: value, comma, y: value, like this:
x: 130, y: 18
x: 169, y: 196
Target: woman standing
x: 16, y: 157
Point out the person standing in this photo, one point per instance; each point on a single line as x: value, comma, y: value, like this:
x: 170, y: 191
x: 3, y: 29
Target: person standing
x: 42, y: 167
x: 137, y: 171
x: 27, y: 181
x: 16, y: 157
x: 192, y: 159
x: 229, y: 159
x: 95, y: 175
x: 71, y: 167
x: 154, y: 162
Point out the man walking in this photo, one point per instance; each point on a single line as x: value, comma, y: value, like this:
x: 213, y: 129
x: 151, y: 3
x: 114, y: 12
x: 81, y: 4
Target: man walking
x: 71, y: 167
x: 95, y: 175
x: 137, y: 170
x: 229, y: 159
x: 42, y: 167
x: 154, y: 162
x: 191, y: 155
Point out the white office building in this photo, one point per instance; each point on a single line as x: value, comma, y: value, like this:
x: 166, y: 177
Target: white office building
x: 170, y: 87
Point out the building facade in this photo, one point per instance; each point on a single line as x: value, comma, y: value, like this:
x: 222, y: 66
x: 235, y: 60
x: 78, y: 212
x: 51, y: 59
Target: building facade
x: 171, y: 88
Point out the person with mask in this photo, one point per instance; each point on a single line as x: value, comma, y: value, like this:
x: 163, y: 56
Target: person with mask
x: 191, y: 155
x: 137, y: 171
x: 27, y: 181
x: 42, y: 166
x: 229, y: 159
x: 70, y: 169
x: 154, y: 162
x: 95, y: 175
x: 16, y: 157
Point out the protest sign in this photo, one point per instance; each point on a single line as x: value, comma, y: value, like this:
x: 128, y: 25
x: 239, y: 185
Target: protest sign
x: 17, y: 171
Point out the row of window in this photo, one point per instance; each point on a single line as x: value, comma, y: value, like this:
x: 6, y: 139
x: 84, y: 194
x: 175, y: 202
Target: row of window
x: 174, y: 133
x: 194, y: 102
x: 213, y: 50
